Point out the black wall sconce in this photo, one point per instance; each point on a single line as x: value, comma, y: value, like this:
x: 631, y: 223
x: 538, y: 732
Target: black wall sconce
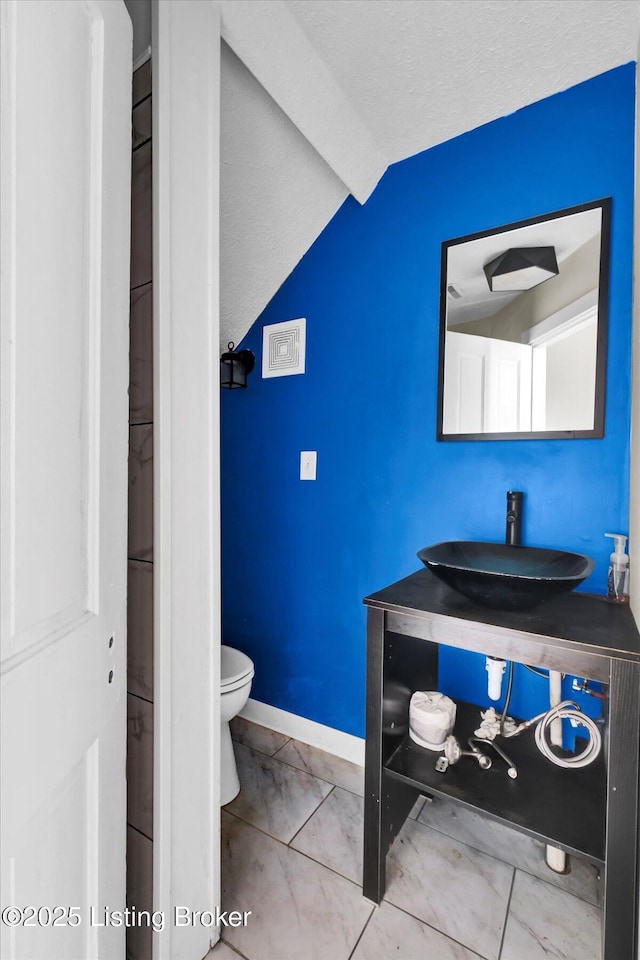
x: 235, y: 366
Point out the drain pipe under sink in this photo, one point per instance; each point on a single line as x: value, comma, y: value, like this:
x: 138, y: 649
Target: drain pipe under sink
x: 555, y: 858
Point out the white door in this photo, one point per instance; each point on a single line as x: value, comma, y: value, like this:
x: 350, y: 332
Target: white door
x: 488, y: 385
x: 508, y: 394
x: 64, y: 231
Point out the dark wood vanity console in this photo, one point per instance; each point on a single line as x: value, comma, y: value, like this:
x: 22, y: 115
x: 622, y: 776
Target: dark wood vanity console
x: 591, y: 811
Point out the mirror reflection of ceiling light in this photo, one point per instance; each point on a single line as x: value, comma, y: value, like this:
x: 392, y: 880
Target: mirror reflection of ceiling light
x: 521, y: 268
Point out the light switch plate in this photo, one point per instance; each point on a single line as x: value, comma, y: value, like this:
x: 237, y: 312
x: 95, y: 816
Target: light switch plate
x: 308, y: 464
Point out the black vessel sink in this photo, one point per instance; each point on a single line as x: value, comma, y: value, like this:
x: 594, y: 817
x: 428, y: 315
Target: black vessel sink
x: 506, y: 577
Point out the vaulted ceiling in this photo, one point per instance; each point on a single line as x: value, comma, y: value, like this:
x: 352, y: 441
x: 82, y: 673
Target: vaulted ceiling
x: 419, y: 72
x: 416, y: 73
x: 319, y: 96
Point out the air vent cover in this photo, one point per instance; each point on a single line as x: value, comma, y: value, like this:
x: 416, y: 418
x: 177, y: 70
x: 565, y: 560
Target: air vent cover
x: 283, y: 348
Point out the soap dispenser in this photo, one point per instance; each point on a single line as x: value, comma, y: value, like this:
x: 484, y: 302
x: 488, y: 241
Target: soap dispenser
x: 618, y: 579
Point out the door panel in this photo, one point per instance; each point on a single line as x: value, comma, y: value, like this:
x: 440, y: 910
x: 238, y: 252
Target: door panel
x: 72, y: 811
x: 56, y: 271
x: 65, y: 142
x: 488, y: 385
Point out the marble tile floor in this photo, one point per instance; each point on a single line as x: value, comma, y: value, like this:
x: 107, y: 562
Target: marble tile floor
x: 459, y: 887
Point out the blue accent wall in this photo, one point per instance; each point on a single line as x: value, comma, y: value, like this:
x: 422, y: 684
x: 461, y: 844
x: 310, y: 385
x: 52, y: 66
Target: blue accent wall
x: 299, y: 556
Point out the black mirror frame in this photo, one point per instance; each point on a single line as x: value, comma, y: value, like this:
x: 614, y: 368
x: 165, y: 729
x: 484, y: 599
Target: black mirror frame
x: 603, y: 313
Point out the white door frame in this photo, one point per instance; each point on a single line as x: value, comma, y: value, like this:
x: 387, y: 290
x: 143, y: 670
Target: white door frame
x: 186, y: 141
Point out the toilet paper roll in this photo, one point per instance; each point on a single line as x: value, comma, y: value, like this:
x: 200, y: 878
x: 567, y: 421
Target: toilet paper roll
x: 432, y: 716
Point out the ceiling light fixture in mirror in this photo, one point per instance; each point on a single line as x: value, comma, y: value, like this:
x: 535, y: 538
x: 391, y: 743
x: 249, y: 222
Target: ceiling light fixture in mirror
x: 523, y: 328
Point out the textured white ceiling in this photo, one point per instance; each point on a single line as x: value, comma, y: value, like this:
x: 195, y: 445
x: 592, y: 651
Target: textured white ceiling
x: 417, y: 72
x: 422, y: 71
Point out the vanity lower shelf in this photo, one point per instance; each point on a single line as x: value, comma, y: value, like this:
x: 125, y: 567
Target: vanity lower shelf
x: 408, y: 623
x: 550, y: 803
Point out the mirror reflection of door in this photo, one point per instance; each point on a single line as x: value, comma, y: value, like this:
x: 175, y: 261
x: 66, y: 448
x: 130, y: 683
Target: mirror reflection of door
x: 488, y: 385
x: 524, y: 328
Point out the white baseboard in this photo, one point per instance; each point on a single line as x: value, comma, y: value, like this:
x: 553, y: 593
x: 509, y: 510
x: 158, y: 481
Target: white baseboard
x: 340, y: 744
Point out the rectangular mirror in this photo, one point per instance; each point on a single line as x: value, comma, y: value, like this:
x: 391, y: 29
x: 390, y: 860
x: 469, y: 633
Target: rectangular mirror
x: 523, y: 328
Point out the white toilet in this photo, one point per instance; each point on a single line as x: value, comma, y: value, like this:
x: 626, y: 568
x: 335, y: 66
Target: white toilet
x: 236, y: 674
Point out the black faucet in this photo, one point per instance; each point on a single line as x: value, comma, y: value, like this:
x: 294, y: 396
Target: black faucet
x: 513, y: 534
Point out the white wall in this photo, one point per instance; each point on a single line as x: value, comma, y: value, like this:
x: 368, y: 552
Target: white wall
x: 571, y: 379
x: 277, y: 195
